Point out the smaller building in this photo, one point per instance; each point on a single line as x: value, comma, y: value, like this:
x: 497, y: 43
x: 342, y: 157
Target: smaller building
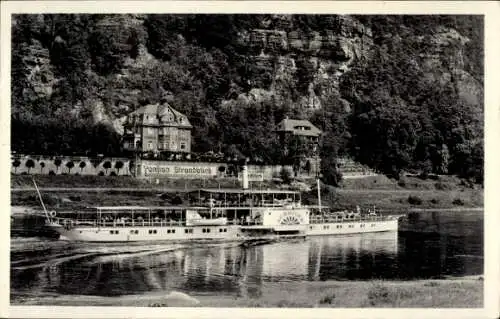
x: 157, y: 128
x: 304, y: 129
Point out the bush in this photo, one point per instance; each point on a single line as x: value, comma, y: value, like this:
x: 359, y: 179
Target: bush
x: 458, y: 201
x: 285, y: 176
x: 434, y: 201
x: 378, y: 294
x: 112, y: 174
x: 75, y: 198
x: 414, y: 200
x: 101, y: 173
x: 52, y: 173
x: 327, y: 299
x: 431, y: 284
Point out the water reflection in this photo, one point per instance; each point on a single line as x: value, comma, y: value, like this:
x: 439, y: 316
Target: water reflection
x: 236, y: 269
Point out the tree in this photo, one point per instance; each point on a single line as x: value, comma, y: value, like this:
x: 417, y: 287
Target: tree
x: 285, y: 175
x: 57, y: 163
x: 29, y: 164
x: 70, y: 165
x: 330, y: 172
x: 107, y: 165
x: 16, y: 164
x: 118, y: 166
x: 82, y: 166
x: 42, y: 166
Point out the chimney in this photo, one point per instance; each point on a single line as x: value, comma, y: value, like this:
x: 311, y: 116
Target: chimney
x: 245, y: 176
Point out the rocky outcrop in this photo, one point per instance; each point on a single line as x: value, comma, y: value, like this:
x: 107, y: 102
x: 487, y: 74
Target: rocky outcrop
x: 333, y: 46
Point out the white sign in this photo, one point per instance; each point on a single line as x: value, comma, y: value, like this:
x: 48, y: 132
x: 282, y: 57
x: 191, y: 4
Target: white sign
x: 193, y: 171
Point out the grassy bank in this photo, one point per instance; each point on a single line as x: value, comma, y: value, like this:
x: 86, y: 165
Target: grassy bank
x: 454, y: 293
x: 446, y: 192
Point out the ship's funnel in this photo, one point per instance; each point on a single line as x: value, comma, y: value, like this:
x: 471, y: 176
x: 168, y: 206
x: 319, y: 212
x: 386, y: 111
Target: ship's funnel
x: 244, y: 177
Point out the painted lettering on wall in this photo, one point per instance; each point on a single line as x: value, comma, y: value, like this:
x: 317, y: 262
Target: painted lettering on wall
x: 187, y: 171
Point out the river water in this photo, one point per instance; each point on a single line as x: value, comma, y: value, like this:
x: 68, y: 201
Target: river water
x: 428, y: 245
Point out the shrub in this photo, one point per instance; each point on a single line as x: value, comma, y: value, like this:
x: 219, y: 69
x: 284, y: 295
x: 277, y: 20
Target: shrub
x: 285, y: 175
x: 434, y: 201
x: 431, y: 284
x: 101, y: 173
x: 458, y: 201
x: 327, y: 299
x: 414, y: 200
x: 75, y: 198
x: 52, y: 173
x: 402, y: 182
x: 378, y: 294
x: 440, y: 186
x: 112, y: 174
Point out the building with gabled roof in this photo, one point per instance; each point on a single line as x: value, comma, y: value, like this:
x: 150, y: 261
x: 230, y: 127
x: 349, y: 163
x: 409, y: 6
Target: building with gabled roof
x: 157, y: 128
x: 299, y: 127
x: 290, y: 129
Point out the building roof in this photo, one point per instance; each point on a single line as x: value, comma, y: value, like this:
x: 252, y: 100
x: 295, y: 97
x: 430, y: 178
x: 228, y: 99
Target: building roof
x: 298, y: 127
x: 161, y: 114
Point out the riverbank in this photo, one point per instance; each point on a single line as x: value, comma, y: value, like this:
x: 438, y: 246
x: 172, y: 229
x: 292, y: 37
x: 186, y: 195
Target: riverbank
x: 462, y: 292
x: 395, y: 200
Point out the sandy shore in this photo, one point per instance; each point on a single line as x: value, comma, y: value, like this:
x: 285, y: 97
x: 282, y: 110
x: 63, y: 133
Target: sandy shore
x: 462, y: 292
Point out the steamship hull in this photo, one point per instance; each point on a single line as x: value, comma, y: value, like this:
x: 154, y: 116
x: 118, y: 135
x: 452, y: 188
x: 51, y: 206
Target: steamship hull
x: 220, y: 233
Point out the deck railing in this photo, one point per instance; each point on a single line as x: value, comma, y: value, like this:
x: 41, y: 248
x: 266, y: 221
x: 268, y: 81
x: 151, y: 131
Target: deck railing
x: 139, y: 223
x: 331, y: 219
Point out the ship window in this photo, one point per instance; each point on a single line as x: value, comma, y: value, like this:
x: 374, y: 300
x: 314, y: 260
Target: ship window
x: 136, y: 232
x: 154, y: 231
x: 225, y: 230
x: 168, y: 231
x: 203, y: 230
x: 208, y: 230
x: 311, y: 227
x: 173, y: 231
x: 373, y: 225
x: 220, y: 230
x: 131, y: 231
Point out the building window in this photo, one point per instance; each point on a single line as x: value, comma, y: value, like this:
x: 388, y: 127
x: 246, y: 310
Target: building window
x: 150, y: 145
x: 183, y: 146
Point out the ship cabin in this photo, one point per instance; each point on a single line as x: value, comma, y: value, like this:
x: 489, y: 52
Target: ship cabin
x: 213, y: 207
x: 223, y: 198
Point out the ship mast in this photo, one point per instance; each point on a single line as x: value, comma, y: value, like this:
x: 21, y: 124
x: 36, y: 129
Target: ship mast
x: 41, y: 201
x: 319, y: 193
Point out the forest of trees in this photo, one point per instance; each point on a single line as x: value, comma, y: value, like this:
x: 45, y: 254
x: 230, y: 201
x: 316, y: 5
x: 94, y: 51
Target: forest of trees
x: 401, y: 118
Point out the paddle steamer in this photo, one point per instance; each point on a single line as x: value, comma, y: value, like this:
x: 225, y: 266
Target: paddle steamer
x: 220, y: 214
